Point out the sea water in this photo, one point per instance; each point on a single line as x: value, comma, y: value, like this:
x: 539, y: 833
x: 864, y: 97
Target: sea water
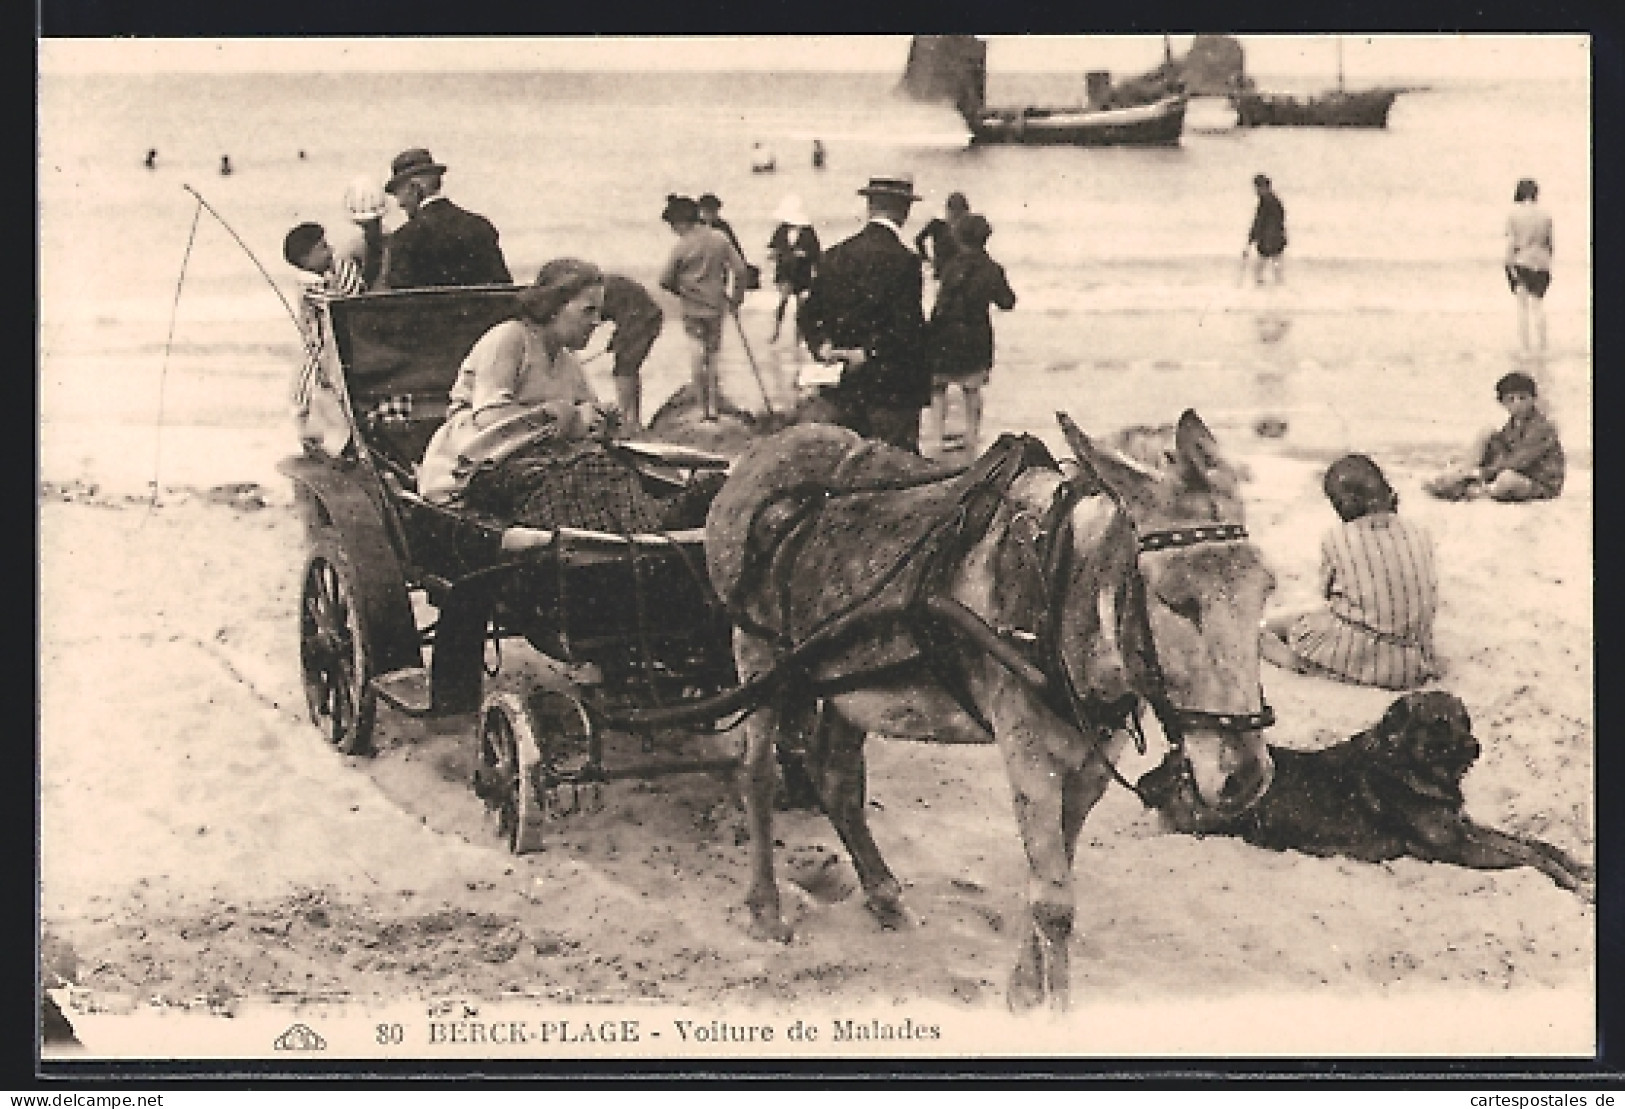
x: 1387, y: 336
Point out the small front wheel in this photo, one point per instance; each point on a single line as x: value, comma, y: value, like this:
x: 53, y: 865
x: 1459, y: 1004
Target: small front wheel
x: 505, y: 775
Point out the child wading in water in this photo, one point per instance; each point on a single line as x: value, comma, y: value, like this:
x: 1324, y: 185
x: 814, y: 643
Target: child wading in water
x: 1376, y: 573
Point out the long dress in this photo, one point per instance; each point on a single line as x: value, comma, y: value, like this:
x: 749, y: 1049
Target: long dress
x: 507, y: 371
x: 1381, y: 594
x: 503, y: 452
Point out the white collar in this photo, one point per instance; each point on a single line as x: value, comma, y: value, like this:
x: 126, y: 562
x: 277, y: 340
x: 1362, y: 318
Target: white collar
x: 887, y: 223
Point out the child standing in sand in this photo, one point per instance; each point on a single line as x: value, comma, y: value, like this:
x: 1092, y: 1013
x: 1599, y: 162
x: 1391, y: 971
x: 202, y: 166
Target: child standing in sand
x: 1376, y: 573
x: 708, y: 277
x: 315, y: 409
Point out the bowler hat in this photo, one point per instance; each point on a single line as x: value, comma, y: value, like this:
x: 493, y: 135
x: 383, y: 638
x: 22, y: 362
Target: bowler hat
x: 900, y: 186
x: 410, y: 163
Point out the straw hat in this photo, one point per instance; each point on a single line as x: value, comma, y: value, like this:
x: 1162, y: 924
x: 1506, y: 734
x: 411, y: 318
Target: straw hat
x: 790, y: 211
x: 900, y: 186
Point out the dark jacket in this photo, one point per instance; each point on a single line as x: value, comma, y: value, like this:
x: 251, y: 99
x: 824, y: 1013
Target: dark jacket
x: 960, y: 335
x: 796, y: 251
x: 1268, y: 231
x: 866, y: 294
x: 630, y: 308
x: 1530, y: 447
x: 944, y: 244
x: 445, y: 245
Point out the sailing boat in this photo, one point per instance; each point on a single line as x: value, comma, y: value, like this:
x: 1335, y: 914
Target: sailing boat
x: 1145, y: 111
x: 1335, y: 108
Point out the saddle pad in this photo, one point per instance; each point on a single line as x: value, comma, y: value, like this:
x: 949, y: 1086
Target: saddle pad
x: 796, y: 562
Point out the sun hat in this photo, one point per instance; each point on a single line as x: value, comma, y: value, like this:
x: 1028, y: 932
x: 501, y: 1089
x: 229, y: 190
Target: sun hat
x: 680, y: 209
x: 790, y: 211
x: 900, y: 186
x: 557, y: 283
x: 410, y: 163
x: 364, y: 199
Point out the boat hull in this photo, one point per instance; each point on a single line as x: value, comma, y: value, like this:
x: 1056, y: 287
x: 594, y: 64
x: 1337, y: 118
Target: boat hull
x: 1158, y: 124
x: 1354, y: 109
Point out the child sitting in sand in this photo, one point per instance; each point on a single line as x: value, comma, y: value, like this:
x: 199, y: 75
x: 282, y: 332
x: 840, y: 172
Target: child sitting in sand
x: 1376, y: 573
x: 1521, y: 462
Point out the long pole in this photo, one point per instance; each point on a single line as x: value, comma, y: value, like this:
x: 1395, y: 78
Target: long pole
x: 754, y: 368
x: 1339, y: 63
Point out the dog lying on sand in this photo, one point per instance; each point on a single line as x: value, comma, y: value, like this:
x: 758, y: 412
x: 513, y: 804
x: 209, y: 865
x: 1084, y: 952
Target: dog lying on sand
x: 1391, y: 791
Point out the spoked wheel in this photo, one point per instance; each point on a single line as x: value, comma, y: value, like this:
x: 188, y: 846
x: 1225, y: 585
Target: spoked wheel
x: 505, y: 777
x: 333, y: 651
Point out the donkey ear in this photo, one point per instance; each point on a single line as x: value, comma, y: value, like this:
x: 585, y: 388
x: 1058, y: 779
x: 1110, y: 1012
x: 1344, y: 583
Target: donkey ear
x: 1195, y: 446
x: 1109, y: 472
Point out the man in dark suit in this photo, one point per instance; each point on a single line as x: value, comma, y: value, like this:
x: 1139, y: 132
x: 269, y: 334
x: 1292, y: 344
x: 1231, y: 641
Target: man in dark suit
x: 864, y: 310
x: 440, y: 244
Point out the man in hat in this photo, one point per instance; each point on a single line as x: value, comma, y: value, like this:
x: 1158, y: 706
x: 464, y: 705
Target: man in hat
x: 440, y: 244
x: 864, y: 311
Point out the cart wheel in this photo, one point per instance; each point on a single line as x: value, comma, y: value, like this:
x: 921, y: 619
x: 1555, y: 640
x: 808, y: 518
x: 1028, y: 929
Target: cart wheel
x: 333, y: 651
x: 564, y: 730
x: 505, y: 776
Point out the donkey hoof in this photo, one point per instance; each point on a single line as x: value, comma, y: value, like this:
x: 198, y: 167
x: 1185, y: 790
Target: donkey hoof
x: 890, y: 911
x: 1025, y: 992
x: 772, y: 929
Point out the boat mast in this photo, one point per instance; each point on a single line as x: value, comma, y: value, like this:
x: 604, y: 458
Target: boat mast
x: 1339, y: 63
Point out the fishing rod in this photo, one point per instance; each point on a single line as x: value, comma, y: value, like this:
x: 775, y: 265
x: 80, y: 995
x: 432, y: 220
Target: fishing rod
x: 252, y: 257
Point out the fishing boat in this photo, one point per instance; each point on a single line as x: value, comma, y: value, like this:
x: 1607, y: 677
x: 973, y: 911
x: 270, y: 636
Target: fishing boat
x: 1334, y: 108
x: 1158, y: 123
x: 1144, y: 111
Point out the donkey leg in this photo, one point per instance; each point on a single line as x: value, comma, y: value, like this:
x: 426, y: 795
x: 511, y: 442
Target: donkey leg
x: 845, y: 790
x: 1038, y: 789
x: 752, y: 657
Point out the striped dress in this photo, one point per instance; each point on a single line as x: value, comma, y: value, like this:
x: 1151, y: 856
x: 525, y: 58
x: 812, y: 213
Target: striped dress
x: 1377, y: 576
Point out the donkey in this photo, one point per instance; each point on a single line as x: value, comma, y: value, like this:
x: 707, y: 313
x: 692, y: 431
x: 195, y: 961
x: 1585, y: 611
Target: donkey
x: 1086, y: 594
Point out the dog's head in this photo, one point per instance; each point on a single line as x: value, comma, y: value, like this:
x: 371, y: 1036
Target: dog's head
x: 1427, y: 739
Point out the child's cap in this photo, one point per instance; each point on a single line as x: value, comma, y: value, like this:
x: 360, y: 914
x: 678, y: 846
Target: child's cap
x: 300, y: 241
x: 1515, y: 382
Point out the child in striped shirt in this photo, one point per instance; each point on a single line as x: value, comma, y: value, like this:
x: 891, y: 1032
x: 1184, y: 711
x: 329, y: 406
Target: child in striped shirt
x: 1377, y: 576
x: 306, y: 248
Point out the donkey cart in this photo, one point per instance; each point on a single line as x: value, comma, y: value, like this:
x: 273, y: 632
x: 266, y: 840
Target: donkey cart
x: 405, y: 602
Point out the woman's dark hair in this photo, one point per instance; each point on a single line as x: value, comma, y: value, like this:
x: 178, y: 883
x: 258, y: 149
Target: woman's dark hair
x: 1526, y: 190
x: 1356, y: 487
x: 557, y: 284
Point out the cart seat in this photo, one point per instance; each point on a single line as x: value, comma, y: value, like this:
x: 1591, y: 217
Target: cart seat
x: 400, y: 425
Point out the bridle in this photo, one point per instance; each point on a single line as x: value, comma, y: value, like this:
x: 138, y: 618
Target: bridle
x: 1088, y: 713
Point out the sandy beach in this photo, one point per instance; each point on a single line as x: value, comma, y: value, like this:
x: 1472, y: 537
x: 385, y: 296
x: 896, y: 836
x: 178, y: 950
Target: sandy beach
x: 217, y: 882
x: 203, y: 851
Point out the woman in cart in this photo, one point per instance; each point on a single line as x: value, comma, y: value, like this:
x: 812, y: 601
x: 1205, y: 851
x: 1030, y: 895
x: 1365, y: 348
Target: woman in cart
x: 525, y: 438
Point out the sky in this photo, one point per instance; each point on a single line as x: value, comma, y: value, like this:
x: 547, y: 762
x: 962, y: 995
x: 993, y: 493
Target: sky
x: 1365, y: 56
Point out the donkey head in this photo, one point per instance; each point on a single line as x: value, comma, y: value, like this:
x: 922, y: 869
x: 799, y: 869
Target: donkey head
x: 1190, y: 614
